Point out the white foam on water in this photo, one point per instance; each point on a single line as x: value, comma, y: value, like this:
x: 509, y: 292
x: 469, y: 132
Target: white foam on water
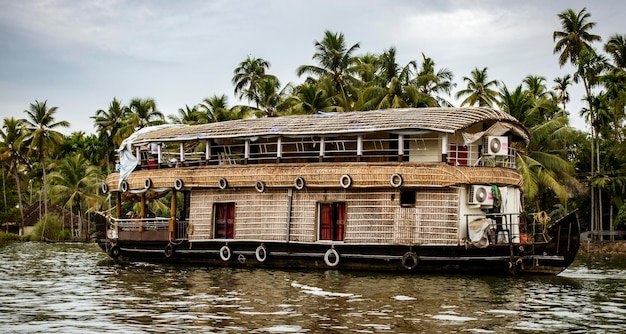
x: 450, y: 317
x: 403, y: 298
x: 319, y: 292
x: 283, y: 329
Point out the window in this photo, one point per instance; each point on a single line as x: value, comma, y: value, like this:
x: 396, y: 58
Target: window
x: 458, y: 155
x: 224, y: 220
x: 332, y: 221
x: 407, y: 198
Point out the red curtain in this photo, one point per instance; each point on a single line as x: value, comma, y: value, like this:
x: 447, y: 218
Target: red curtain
x: 326, y: 221
x: 225, y: 220
x: 332, y: 221
x: 340, y: 222
x: 230, y: 220
x: 458, y: 154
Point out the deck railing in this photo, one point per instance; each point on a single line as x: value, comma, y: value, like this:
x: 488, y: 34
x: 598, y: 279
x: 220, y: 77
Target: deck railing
x: 499, y: 228
x: 137, y: 224
x: 150, y: 224
x: 330, y: 149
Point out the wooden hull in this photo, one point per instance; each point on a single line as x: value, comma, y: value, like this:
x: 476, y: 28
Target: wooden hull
x: 550, y: 257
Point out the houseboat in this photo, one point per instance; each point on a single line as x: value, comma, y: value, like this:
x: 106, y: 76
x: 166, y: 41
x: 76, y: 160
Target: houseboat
x: 410, y: 190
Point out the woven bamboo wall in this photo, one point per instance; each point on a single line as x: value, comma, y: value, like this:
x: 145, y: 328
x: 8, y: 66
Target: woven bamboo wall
x: 258, y: 216
x: 373, y: 217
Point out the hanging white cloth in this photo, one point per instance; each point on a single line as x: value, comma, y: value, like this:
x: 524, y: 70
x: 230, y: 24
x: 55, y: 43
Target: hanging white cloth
x: 128, y: 160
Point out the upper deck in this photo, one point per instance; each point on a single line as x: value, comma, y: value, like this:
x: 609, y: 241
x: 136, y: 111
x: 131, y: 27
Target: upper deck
x: 467, y: 136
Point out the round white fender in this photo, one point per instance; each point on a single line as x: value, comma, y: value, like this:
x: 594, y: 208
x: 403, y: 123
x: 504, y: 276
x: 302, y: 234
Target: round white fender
x: 225, y: 253
x: 345, y: 181
x: 331, y: 258
x: 261, y: 253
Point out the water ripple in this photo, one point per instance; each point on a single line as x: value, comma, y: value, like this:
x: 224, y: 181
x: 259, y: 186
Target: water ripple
x: 75, y: 288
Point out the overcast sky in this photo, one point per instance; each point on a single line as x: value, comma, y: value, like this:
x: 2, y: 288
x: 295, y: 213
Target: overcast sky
x: 79, y: 55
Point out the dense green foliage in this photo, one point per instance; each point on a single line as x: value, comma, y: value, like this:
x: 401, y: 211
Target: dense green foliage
x: 50, y: 227
x: 563, y: 168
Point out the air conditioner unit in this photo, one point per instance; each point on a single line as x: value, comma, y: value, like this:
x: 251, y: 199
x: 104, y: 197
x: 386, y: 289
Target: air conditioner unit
x: 480, y: 195
x: 496, y: 145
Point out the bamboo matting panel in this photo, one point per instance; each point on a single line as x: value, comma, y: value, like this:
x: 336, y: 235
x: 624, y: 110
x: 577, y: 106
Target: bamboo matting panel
x: 439, y: 216
x: 373, y: 217
x: 258, y: 216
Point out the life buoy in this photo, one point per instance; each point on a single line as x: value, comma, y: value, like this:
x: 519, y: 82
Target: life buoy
x: 225, y: 253
x: 179, y: 184
x: 261, y: 253
x: 104, y: 188
x: 114, y: 251
x: 345, y: 181
x: 299, y: 183
x: 147, y: 183
x: 395, y: 180
x: 409, y: 260
x: 169, y: 250
x: 259, y: 186
x: 331, y: 258
x: 124, y: 186
x: 222, y: 183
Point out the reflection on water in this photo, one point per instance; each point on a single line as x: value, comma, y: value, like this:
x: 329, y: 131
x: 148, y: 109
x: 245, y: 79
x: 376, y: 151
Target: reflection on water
x: 73, y: 288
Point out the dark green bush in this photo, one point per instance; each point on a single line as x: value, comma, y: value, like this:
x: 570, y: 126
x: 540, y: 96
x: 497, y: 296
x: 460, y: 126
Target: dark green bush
x: 4, y: 237
x: 51, y: 226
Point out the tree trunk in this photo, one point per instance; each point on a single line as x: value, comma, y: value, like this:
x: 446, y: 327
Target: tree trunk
x: 19, y: 199
x: 72, y: 222
x: 4, y: 190
x: 600, y: 220
x: 611, y: 220
x: 45, y: 200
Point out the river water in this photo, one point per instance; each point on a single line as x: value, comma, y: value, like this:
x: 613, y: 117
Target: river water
x: 75, y: 288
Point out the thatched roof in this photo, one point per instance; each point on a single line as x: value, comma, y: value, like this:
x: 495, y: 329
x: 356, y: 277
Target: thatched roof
x: 445, y: 120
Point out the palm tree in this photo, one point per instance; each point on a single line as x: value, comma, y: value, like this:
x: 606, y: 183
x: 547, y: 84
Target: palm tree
x: 616, y: 47
x: 395, y: 95
x: 614, y: 83
x: 272, y: 101
x: 309, y: 99
x: 542, y: 167
x: 187, y: 115
x: 12, y: 151
x: 517, y: 104
x: 143, y: 113
x: 72, y: 183
x: 575, y: 36
x: 479, y: 90
x: 433, y: 84
x: 96, y: 151
x: 535, y: 86
x: 215, y: 109
x: 542, y: 99
x: 389, y: 69
x: 248, y: 76
x: 365, y: 67
x: 545, y: 169
x: 108, y: 124
x: 336, y: 62
x: 41, y: 137
x: 589, y: 67
x: 561, y: 87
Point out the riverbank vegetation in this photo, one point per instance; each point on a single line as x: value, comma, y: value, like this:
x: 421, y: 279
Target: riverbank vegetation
x: 563, y: 168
